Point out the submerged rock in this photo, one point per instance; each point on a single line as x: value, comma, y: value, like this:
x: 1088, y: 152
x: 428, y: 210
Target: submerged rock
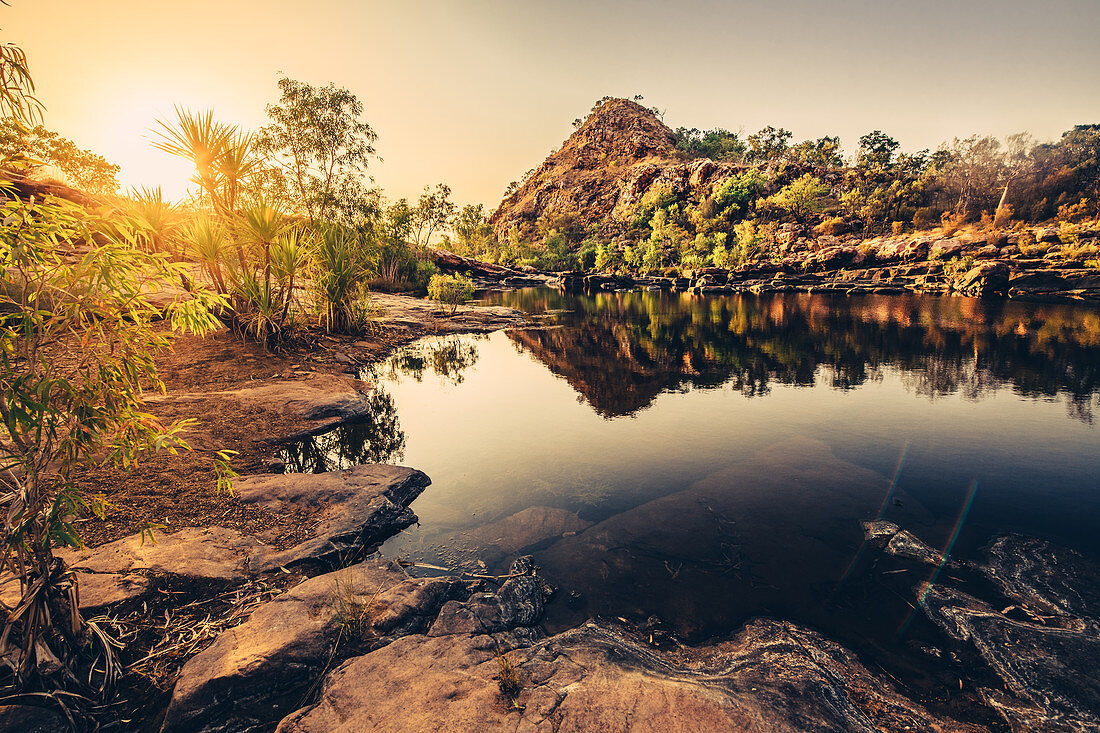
x: 774, y: 676
x: 1049, y: 670
x: 1054, y: 583
x: 900, y: 543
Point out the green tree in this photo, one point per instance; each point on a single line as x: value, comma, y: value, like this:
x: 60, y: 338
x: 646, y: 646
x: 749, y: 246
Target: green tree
x: 450, y: 291
x: 801, y: 197
x: 769, y: 144
x: 433, y: 213
x: 36, y: 147
x: 79, y: 336
x: 323, y: 150
x: 825, y: 152
x: 876, y: 151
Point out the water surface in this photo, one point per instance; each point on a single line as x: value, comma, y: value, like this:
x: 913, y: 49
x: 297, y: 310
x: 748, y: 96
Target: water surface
x: 709, y: 459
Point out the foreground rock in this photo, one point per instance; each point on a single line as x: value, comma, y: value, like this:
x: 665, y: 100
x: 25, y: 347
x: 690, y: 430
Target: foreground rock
x: 773, y: 676
x: 259, y: 671
x: 201, y: 553
x: 1049, y: 671
x: 97, y: 590
x: 351, y: 510
x: 313, y: 402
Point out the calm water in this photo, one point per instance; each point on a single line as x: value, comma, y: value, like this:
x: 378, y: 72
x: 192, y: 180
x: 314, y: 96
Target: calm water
x: 709, y: 459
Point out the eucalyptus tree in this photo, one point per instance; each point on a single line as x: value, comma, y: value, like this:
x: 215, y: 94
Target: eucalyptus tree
x: 321, y: 149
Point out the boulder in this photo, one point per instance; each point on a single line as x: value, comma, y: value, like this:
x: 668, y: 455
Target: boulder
x: 518, y: 603
x: 945, y: 249
x: 987, y: 278
x: 773, y: 676
x: 352, y: 510
x: 97, y: 590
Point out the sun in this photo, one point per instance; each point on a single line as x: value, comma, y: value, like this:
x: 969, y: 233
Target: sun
x: 125, y: 136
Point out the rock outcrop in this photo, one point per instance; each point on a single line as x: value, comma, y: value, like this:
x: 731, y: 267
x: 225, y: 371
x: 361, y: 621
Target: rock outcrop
x: 259, y: 671
x: 602, y: 171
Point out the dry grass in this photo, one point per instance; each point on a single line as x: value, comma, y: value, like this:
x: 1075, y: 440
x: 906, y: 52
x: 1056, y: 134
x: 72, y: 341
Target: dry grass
x: 510, y: 681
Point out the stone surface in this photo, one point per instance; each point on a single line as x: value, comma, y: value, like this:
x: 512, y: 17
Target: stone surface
x: 352, y: 510
x: 416, y: 313
x: 31, y: 719
x: 774, y: 676
x: 1049, y: 671
x: 1053, y: 582
x: 519, y: 602
x: 523, y: 530
x: 97, y: 590
x: 316, y: 402
x: 987, y: 278
x: 211, y: 553
x: 255, y: 673
x: 900, y: 543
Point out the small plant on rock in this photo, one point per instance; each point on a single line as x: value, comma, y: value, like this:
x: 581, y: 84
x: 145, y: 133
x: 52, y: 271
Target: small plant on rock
x: 510, y: 681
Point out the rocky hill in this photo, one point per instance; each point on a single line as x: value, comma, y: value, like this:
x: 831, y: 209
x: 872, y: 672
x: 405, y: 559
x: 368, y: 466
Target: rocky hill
x: 603, y: 170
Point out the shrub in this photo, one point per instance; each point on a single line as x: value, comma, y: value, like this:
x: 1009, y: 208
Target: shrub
x: 924, y: 218
x: 450, y: 291
x: 951, y: 223
x: 897, y: 228
x: 61, y: 415
x: 833, y: 226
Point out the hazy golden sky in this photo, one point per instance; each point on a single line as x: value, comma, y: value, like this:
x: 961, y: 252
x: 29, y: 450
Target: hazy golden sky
x: 475, y: 92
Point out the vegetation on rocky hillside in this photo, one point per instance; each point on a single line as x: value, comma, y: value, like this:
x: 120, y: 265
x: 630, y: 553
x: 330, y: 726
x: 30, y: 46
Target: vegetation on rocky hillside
x: 627, y: 193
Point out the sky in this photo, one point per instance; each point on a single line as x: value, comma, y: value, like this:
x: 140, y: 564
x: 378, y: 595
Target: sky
x: 475, y: 92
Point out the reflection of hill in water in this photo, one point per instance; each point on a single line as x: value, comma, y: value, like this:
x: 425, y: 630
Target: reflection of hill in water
x: 620, y: 350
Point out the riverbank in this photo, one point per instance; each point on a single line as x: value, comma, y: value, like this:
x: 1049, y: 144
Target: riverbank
x: 1034, y: 264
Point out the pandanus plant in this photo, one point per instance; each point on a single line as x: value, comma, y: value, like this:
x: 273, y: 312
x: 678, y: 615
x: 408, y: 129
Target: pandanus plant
x: 247, y: 247
x: 340, y: 278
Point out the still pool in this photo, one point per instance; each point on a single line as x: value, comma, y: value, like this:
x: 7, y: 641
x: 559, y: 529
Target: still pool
x: 709, y: 459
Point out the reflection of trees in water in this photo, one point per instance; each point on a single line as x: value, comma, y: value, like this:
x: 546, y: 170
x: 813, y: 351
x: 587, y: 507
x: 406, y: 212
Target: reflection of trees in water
x: 622, y: 349
x: 446, y: 357
x: 377, y: 439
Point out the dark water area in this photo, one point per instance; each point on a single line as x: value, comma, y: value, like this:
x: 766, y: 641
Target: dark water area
x: 710, y: 459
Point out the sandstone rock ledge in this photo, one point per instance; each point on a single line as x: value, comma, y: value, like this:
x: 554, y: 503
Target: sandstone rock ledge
x: 774, y: 676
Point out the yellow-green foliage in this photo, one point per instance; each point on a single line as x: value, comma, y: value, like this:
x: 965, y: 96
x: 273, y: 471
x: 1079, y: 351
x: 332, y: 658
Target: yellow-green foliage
x: 450, y: 291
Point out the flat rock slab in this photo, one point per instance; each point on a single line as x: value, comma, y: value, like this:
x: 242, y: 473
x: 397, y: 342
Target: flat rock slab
x: 353, y: 509
x: 773, y: 676
x: 255, y: 673
x: 97, y: 590
x: 316, y: 402
x: 210, y: 553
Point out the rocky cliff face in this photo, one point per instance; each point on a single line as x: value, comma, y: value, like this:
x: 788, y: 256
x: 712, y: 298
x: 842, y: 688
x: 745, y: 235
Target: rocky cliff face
x: 603, y: 169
